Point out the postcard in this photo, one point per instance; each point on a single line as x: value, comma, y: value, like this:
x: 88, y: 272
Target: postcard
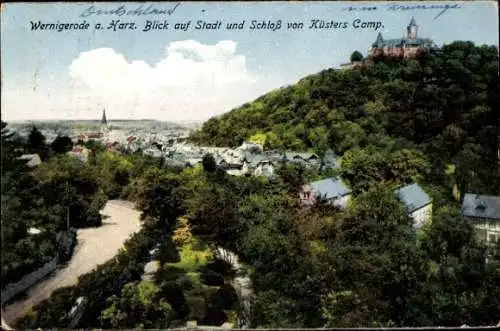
x: 250, y: 164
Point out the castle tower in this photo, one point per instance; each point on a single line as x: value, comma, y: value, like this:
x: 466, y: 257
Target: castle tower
x: 412, y: 29
x: 379, y: 41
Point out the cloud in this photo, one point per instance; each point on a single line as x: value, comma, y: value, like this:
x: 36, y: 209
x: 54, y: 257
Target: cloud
x: 187, y: 64
x: 192, y: 81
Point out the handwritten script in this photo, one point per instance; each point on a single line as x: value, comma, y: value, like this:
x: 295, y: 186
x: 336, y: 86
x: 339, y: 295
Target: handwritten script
x: 122, y: 10
x: 396, y: 7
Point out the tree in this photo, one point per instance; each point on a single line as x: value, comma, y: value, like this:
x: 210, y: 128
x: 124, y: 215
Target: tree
x: 182, y: 234
x: 209, y: 164
x: 356, y: 56
x: 159, y: 196
x: 37, y: 143
x: 62, y: 144
x: 378, y: 236
x: 138, y: 306
x: 21, y: 253
x: 345, y: 309
x: 10, y: 150
x: 67, y: 183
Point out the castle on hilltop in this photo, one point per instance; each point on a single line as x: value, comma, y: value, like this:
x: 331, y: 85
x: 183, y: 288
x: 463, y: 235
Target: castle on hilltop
x: 407, y: 47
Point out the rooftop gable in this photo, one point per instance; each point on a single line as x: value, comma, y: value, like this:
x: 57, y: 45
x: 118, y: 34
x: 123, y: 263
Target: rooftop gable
x: 330, y: 188
x: 481, y: 206
x: 413, y: 197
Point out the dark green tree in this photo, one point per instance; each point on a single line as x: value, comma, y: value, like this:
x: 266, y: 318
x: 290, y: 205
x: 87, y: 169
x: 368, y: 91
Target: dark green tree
x: 356, y: 56
x: 36, y: 144
x: 62, y: 144
x: 209, y: 164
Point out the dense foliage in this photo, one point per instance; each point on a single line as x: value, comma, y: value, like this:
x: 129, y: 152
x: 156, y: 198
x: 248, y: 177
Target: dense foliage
x: 59, y: 194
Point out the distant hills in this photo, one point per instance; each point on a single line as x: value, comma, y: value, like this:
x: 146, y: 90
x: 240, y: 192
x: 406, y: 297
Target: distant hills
x: 97, y: 122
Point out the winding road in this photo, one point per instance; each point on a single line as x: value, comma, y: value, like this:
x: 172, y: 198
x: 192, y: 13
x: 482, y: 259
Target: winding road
x: 95, y: 247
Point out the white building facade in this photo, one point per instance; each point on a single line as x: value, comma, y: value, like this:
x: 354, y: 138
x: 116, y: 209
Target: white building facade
x: 483, y: 211
x: 417, y: 204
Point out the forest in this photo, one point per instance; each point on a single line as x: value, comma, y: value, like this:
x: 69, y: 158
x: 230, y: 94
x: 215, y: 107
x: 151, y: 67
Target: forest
x: 433, y: 120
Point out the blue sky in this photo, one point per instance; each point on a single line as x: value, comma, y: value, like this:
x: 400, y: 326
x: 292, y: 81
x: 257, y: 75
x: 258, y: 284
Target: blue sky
x: 194, y: 74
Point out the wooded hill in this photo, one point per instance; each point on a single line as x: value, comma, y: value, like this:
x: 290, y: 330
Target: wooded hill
x: 445, y: 105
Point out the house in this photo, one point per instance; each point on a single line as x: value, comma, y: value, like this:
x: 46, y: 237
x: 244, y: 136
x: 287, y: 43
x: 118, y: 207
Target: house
x: 192, y: 162
x: 303, y: 159
x: 264, y: 168
x: 251, y: 162
x: 174, y: 162
x: 329, y: 161
x: 274, y: 156
x: 33, y: 160
x: 80, y: 152
x: 234, y: 172
x: 153, y: 152
x: 483, y: 211
x: 219, y: 160
x: 250, y: 146
x: 94, y: 135
x: 417, y: 203
x: 331, y: 189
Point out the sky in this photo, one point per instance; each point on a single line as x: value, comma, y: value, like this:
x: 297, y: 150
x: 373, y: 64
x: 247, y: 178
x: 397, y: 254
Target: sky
x: 192, y: 75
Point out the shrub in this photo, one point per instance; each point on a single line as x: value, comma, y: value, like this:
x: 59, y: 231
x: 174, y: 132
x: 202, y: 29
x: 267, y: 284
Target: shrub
x: 182, y: 234
x: 173, y: 293
x: 185, y: 283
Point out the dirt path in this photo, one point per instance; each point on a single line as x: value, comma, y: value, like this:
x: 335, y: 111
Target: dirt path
x: 95, y: 246
x: 241, y: 283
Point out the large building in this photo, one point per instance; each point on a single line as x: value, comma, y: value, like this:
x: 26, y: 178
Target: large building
x: 406, y: 47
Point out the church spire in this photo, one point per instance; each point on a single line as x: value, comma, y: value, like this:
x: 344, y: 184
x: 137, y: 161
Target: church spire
x: 104, y: 121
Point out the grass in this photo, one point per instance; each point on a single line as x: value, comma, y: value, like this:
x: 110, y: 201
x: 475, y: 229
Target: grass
x: 192, y: 257
x: 187, y: 274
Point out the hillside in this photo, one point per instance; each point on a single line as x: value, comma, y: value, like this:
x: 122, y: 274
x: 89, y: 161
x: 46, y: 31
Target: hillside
x: 442, y: 104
